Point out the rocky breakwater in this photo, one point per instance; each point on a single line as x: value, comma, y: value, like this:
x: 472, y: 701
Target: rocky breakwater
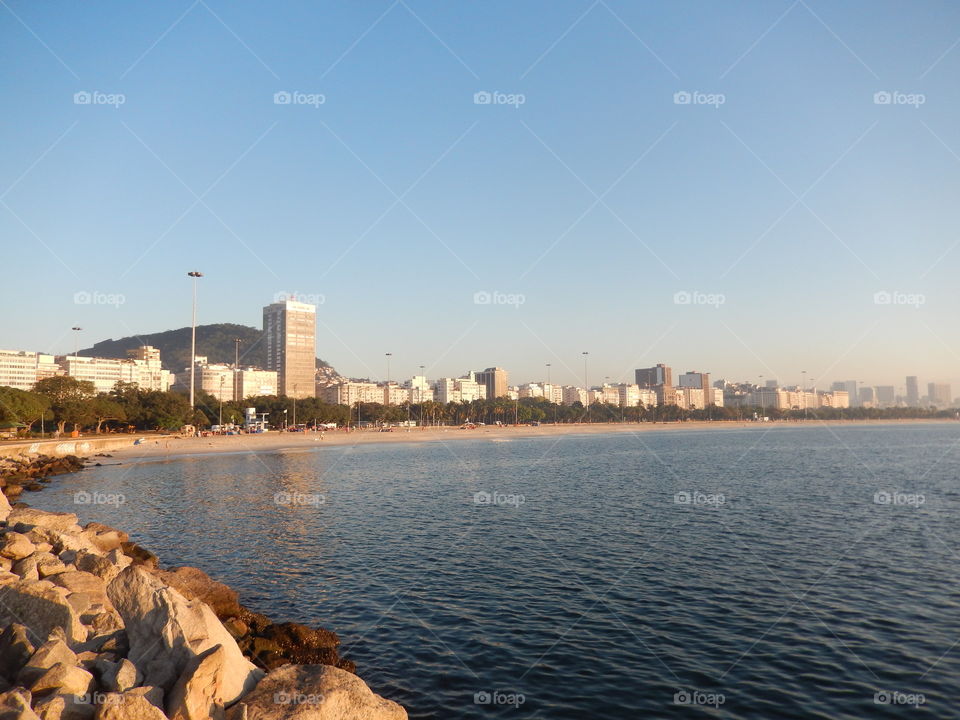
x: 19, y: 474
x: 93, y: 630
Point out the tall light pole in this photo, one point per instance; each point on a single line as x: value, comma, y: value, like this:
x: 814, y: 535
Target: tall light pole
x: 236, y: 369
x: 586, y: 384
x: 195, y: 274
x: 295, y: 406
x: 420, y: 395
x: 220, y: 416
x: 389, y: 355
x: 76, y: 340
x: 804, y: 393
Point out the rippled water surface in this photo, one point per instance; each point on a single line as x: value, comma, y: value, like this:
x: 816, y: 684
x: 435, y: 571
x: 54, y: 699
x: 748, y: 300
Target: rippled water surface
x: 600, y: 596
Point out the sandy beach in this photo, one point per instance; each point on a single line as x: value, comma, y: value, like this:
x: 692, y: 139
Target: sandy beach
x: 171, y: 447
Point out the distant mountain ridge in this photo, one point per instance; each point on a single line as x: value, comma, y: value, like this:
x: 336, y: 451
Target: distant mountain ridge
x: 215, y: 341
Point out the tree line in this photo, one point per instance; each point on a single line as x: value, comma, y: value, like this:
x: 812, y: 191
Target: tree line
x: 62, y: 401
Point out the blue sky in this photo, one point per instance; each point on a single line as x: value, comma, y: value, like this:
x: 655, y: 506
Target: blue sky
x: 779, y: 201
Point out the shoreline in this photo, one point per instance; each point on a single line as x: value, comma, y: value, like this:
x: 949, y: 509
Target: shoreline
x: 92, y: 628
x: 170, y: 448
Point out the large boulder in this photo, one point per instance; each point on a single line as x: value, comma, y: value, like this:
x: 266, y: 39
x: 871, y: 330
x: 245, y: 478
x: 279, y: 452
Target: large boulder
x: 53, y: 652
x: 128, y: 706
x: 166, y: 631
x: 104, y: 537
x: 15, y: 650
x: 314, y: 692
x: 77, y: 581
x: 63, y: 679
x: 64, y: 707
x: 15, y: 705
x: 41, y: 608
x: 31, y: 517
x: 194, y: 695
x: 16, y: 546
x: 194, y: 583
x: 4, y: 507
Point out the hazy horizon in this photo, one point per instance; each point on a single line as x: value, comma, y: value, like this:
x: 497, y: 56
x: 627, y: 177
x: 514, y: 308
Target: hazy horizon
x: 745, y: 191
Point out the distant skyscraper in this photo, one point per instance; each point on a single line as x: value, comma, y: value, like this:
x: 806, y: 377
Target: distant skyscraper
x: 849, y: 387
x: 495, y: 380
x: 866, y: 397
x: 939, y: 394
x: 290, y: 333
x: 659, y: 374
x: 913, y: 391
x: 886, y: 396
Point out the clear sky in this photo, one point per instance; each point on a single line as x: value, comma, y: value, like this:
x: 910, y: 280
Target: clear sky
x: 781, y: 198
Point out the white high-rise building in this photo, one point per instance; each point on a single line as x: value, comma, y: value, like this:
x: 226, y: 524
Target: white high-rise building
x: 290, y: 334
x: 143, y: 367
x: 21, y: 369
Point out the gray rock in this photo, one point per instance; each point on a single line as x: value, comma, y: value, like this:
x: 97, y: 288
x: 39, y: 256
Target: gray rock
x: 194, y: 695
x: 26, y: 568
x: 122, y: 676
x: 32, y: 517
x: 128, y: 706
x: 314, y: 692
x: 98, y: 565
x: 16, y: 546
x: 64, y: 707
x: 15, y: 705
x: 38, y: 606
x: 166, y: 631
x: 15, y: 650
x: 63, y: 679
x: 54, y: 651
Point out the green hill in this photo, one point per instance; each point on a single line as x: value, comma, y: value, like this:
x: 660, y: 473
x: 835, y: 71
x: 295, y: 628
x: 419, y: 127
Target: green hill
x: 215, y: 341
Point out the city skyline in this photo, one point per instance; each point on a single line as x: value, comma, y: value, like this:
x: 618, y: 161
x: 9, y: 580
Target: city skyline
x: 539, y: 192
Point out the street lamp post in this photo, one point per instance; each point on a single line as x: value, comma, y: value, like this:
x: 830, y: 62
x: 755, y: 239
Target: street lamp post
x: 295, y: 406
x: 586, y: 384
x: 804, y: 393
x: 76, y: 340
x: 236, y: 369
x: 220, y: 415
x: 389, y: 355
x: 195, y: 274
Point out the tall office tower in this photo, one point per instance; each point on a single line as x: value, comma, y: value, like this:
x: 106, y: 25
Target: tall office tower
x: 866, y: 397
x: 495, y: 380
x: 849, y: 387
x: 659, y: 374
x: 886, y: 396
x: 939, y: 394
x: 694, y: 379
x: 290, y: 332
x: 913, y: 391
